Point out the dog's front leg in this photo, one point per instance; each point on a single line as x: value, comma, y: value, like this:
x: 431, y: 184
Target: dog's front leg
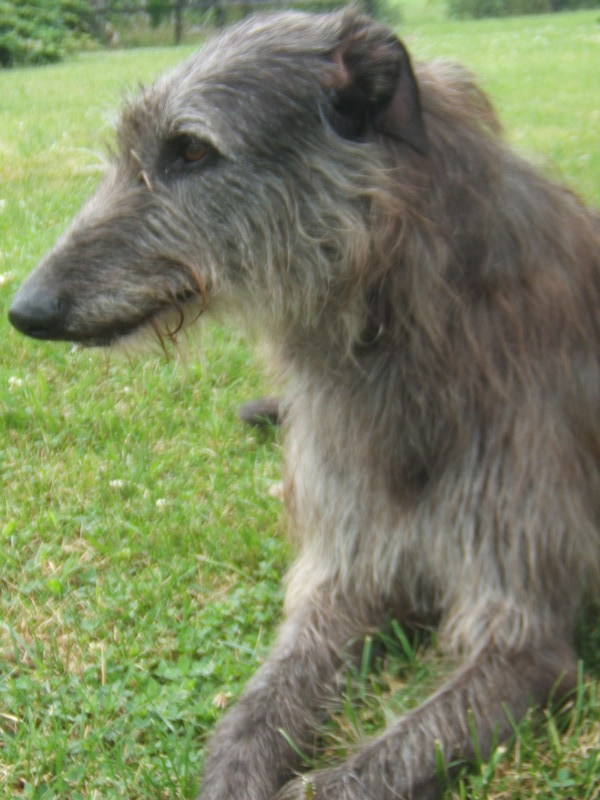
x: 463, y: 719
x: 251, y: 755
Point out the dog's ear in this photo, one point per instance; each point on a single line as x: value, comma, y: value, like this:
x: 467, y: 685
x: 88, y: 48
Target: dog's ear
x: 372, y: 88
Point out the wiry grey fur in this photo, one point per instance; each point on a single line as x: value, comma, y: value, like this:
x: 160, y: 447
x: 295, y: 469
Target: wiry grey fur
x: 431, y: 303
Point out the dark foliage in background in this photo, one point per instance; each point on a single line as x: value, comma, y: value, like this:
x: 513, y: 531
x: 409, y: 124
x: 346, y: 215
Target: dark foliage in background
x: 39, y: 32
x: 462, y: 9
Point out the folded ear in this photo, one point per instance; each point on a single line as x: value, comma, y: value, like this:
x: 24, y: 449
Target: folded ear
x: 372, y: 88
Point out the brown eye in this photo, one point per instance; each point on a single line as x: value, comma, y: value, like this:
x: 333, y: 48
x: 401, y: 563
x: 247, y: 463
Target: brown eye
x: 185, y: 154
x: 194, y: 151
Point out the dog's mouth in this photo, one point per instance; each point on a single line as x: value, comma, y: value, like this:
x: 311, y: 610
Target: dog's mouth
x: 164, y: 322
x: 40, y: 315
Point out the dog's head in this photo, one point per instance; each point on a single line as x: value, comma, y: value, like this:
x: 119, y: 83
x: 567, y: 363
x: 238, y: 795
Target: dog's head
x: 241, y: 178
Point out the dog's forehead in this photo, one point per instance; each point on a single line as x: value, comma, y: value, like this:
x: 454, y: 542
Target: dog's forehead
x: 286, y: 34
x: 264, y: 67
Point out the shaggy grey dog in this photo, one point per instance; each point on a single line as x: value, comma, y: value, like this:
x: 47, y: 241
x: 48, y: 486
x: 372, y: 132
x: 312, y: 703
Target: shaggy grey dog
x: 431, y: 303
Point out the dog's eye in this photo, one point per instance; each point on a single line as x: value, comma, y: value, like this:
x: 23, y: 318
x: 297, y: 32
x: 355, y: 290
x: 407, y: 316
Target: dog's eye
x: 194, y: 151
x: 184, y: 152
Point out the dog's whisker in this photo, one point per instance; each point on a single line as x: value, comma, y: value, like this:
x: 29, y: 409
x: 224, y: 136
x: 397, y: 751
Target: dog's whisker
x: 147, y: 181
x: 160, y: 336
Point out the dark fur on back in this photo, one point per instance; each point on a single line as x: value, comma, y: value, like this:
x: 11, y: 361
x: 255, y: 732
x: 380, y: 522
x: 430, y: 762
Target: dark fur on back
x: 430, y: 302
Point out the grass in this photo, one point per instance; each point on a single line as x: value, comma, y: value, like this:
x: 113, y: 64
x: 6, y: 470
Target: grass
x: 141, y: 548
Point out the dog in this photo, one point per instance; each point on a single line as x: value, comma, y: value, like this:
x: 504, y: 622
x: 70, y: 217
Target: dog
x: 431, y: 306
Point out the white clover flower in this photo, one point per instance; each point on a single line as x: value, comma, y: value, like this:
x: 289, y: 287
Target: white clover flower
x: 276, y: 490
x: 221, y: 699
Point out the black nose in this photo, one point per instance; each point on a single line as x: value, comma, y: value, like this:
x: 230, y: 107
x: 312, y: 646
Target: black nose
x: 39, y: 312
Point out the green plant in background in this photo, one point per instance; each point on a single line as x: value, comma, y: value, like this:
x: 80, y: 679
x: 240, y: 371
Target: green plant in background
x: 477, y: 9
x: 158, y: 11
x: 39, y: 32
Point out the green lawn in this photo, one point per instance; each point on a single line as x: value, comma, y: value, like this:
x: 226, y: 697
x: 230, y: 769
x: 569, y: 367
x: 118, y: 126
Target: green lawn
x: 141, y: 548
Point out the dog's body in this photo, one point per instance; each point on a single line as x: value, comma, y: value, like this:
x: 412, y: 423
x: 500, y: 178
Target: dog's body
x: 432, y: 306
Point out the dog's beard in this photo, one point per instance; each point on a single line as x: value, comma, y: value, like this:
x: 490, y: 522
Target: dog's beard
x: 168, y: 332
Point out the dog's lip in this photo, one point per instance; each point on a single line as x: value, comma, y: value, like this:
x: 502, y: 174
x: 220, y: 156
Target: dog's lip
x: 119, y: 331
